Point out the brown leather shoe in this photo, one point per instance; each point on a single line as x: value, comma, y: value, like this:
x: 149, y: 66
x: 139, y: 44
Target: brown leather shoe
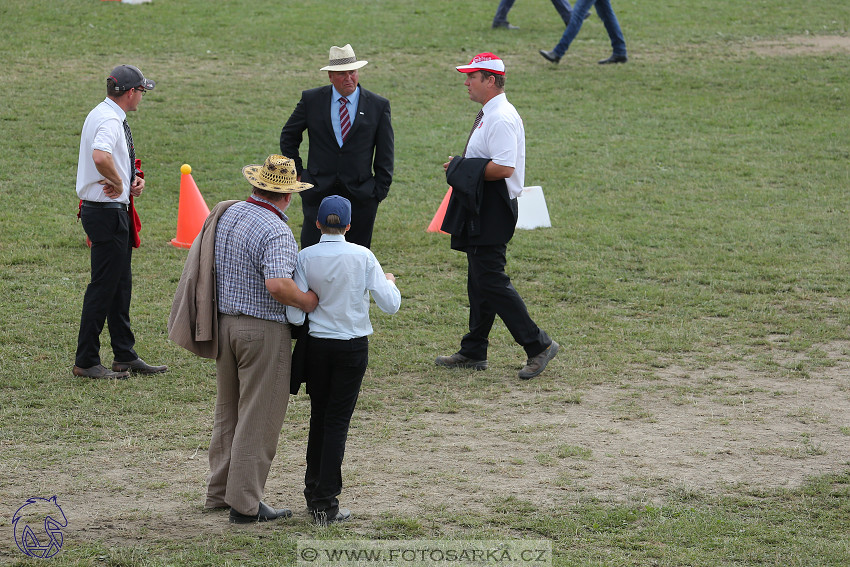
x: 457, y: 360
x: 137, y: 366
x: 99, y: 371
x: 536, y: 364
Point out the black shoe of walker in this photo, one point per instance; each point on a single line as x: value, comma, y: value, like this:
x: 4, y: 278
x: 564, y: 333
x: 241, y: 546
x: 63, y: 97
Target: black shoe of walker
x: 504, y: 25
x: 614, y: 59
x: 265, y: 514
x: 550, y: 56
x: 137, y: 366
x: 323, y: 518
x: 100, y: 372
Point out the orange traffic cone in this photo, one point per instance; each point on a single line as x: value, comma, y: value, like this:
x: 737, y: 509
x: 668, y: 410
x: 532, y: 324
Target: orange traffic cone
x: 437, y: 221
x: 192, y: 211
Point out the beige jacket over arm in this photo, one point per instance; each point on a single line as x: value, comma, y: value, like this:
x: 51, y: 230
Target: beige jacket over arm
x: 193, y: 321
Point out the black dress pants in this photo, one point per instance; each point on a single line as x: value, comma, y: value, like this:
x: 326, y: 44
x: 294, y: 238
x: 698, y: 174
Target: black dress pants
x: 491, y: 293
x: 334, y: 373
x: 107, y: 297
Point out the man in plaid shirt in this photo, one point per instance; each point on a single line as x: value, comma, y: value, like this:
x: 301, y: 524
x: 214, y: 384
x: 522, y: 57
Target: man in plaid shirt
x: 255, y: 254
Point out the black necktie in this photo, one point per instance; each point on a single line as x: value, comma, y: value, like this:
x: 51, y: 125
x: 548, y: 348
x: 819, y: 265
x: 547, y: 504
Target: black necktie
x: 475, y: 124
x: 131, y: 150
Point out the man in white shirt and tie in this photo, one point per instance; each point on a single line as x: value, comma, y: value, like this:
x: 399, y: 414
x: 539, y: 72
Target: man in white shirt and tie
x: 107, y: 180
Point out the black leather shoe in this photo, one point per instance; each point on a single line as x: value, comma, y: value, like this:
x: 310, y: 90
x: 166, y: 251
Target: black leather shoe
x: 322, y: 517
x: 614, y: 59
x: 265, y: 514
x: 457, y: 360
x: 505, y: 25
x: 137, y: 366
x: 550, y: 56
x: 99, y: 372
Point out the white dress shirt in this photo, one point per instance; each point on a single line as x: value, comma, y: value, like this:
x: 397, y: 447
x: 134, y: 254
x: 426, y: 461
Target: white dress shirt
x: 342, y: 274
x: 103, y: 130
x: 501, y: 138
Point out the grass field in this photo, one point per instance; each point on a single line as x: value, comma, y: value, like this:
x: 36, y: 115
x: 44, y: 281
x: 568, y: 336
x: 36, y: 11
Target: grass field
x: 696, y: 276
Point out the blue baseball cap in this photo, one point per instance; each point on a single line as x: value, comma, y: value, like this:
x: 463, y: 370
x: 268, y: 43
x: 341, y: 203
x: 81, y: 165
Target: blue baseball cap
x: 335, y: 205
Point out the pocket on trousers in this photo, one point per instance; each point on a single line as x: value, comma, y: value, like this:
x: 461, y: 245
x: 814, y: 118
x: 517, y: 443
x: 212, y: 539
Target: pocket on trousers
x: 249, y: 335
x: 101, y: 226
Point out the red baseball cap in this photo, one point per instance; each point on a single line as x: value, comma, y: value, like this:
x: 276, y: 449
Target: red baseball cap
x: 484, y: 62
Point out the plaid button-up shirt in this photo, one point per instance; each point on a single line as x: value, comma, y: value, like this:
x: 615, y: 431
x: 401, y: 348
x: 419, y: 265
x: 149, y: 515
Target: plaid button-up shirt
x: 252, y: 244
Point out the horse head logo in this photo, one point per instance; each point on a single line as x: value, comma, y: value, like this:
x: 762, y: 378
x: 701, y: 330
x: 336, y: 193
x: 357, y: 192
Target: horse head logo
x: 38, y: 527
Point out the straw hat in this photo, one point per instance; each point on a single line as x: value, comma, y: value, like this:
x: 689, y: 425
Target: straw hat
x: 278, y: 174
x: 342, y: 59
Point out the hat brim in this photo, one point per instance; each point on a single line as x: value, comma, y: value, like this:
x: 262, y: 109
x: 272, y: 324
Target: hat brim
x: 345, y: 67
x: 474, y: 68
x: 251, y: 173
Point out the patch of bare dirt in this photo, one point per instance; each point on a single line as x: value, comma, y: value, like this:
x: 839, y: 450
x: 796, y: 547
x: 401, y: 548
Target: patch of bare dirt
x: 677, y: 429
x: 803, y: 45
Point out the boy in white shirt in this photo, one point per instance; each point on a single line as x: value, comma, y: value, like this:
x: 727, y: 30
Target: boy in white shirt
x: 343, y: 275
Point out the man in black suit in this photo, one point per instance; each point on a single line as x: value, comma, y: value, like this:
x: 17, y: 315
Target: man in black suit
x: 481, y: 217
x: 351, y: 146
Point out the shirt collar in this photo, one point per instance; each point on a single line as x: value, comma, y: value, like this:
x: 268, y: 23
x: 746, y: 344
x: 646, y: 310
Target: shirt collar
x: 282, y: 214
x: 352, y: 98
x: 332, y: 238
x: 494, y: 102
x: 118, y: 110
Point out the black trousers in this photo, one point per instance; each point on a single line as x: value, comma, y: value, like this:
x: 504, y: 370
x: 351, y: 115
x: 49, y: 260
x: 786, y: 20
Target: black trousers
x: 363, y: 215
x: 107, y: 297
x: 335, y: 372
x: 491, y: 293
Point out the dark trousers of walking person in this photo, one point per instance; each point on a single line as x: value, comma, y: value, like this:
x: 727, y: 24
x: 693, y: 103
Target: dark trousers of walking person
x: 335, y: 372
x: 107, y: 297
x: 491, y: 293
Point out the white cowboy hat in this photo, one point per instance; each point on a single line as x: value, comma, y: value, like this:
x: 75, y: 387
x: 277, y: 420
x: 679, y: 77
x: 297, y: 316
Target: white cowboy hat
x: 342, y: 59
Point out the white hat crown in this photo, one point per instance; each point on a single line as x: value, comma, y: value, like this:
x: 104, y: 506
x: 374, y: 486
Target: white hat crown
x: 342, y: 59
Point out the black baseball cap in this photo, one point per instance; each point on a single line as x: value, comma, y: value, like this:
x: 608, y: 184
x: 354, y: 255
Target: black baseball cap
x: 128, y: 77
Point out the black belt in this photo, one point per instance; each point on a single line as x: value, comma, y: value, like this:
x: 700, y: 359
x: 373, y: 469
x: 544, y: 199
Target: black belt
x: 102, y: 205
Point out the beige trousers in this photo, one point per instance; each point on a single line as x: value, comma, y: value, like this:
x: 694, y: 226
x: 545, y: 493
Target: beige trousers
x: 252, y: 374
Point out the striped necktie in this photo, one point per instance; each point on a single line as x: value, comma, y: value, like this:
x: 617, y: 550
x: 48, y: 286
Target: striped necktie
x: 131, y: 150
x: 475, y: 124
x: 344, y: 121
